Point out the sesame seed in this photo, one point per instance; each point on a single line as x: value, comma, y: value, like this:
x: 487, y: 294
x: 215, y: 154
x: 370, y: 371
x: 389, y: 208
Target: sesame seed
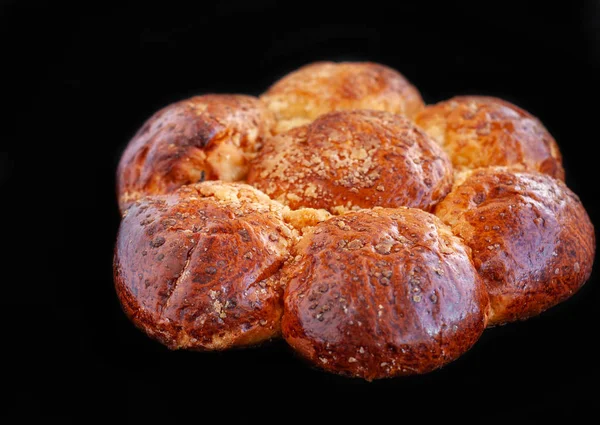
x: 384, y: 247
x: 355, y: 244
x: 157, y: 242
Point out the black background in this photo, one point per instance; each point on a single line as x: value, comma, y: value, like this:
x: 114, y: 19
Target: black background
x: 79, y: 79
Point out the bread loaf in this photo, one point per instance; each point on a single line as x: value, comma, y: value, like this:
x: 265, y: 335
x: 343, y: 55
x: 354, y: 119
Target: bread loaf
x: 198, y: 268
x: 310, y: 213
x: 321, y: 87
x: 383, y: 292
x: 353, y: 159
x: 210, y: 137
x: 531, y: 239
x: 479, y: 131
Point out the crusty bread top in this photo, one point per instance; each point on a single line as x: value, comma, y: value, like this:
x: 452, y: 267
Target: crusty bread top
x: 353, y: 159
x: 479, y: 131
x: 197, y: 268
x: 531, y: 239
x: 209, y: 137
x: 321, y: 87
x: 382, y: 292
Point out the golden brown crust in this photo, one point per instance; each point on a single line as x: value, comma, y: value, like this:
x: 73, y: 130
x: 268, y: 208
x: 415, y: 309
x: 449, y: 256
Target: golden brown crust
x: 208, y: 137
x: 479, y: 131
x: 353, y: 159
x: 382, y: 293
x: 531, y: 239
x: 321, y: 87
x: 198, y: 268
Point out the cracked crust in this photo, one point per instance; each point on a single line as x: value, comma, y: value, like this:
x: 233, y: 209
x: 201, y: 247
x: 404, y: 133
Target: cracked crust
x: 353, y: 159
x: 198, y: 268
x: 209, y: 137
x: 531, y: 239
x: 321, y: 87
x: 380, y: 293
x: 479, y: 131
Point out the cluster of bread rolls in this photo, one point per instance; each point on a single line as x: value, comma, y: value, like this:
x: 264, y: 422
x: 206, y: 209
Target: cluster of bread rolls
x: 377, y: 235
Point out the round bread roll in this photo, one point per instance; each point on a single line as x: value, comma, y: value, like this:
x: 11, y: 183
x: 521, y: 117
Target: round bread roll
x: 353, y: 159
x: 531, y: 239
x: 479, y: 131
x: 208, y: 137
x: 197, y: 268
x: 321, y: 87
x: 380, y: 293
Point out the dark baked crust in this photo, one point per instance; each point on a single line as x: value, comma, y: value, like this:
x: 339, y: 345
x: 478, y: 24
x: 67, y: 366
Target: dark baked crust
x: 321, y: 87
x: 531, y: 239
x: 479, y: 131
x: 353, y: 159
x: 197, y: 268
x: 209, y: 137
x: 380, y: 293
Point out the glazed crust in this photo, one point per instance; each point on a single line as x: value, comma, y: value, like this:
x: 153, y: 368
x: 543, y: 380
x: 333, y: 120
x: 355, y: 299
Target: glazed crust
x: 479, y: 131
x: 198, y: 268
x: 210, y: 137
x: 531, y: 239
x: 353, y: 159
x: 340, y: 254
x: 321, y: 87
x: 380, y: 293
